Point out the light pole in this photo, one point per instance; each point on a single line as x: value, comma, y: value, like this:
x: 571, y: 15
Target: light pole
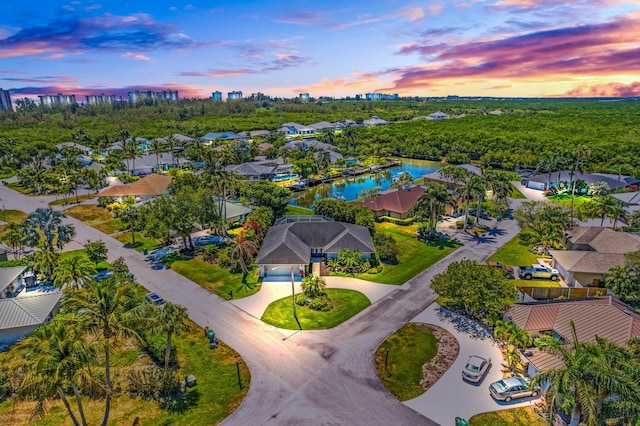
x: 238, y: 369
x: 293, y: 299
x: 386, y: 361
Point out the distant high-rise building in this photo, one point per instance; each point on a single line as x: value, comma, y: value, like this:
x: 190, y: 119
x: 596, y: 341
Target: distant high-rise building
x: 234, y: 95
x: 165, y: 95
x: 217, y: 95
x: 101, y: 99
x: 5, y: 101
x: 304, y: 96
x: 380, y: 96
x: 49, y: 100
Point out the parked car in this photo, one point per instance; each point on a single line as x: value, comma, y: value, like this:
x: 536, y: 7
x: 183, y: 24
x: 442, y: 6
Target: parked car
x: 512, y: 388
x: 507, y: 271
x: 102, y: 274
x: 539, y: 271
x: 483, y: 215
x: 476, y: 368
x: 205, y: 240
x: 155, y: 300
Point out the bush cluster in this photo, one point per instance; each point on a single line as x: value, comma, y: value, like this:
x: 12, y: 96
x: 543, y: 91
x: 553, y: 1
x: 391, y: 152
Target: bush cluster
x: 152, y: 383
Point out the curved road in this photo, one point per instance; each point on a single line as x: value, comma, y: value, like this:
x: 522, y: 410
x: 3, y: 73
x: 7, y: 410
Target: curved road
x: 322, y: 377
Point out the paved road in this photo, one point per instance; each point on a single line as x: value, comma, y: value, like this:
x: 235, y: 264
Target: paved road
x: 309, y: 377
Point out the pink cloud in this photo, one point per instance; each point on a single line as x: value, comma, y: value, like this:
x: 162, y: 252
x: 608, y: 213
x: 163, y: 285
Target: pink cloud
x: 136, y: 56
x: 615, y: 90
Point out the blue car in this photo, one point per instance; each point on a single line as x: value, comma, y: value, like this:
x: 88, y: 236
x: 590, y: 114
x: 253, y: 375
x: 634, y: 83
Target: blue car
x: 205, y: 240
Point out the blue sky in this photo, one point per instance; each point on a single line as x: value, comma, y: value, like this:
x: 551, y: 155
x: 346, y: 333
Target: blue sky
x: 328, y: 48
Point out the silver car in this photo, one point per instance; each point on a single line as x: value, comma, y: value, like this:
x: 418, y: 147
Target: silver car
x: 512, y: 388
x: 476, y: 368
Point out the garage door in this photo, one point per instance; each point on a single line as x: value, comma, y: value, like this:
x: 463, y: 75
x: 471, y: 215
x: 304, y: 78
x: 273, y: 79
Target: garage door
x: 280, y: 271
x: 536, y: 185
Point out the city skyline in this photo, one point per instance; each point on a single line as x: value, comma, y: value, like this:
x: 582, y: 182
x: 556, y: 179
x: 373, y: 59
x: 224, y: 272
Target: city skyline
x: 510, y: 48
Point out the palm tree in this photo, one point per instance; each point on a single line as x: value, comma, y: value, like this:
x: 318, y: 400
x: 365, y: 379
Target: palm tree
x: 602, y: 206
x: 172, y: 143
x: 590, y: 373
x: 130, y: 151
x: 328, y: 136
x: 500, y: 185
x: 243, y: 250
x: 110, y: 311
x: 616, y: 213
x: 580, y: 152
x: 172, y: 320
x: 622, y: 283
x: 432, y: 205
x: 43, y: 261
x: 313, y: 286
x: 130, y: 215
x: 44, y: 226
x: 349, y: 134
x: 157, y: 148
x: 56, y: 357
x: 473, y: 189
x: 73, y: 271
x: 14, y: 238
x: 599, y: 188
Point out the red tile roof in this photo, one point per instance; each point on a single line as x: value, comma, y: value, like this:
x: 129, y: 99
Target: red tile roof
x: 150, y: 185
x: 398, y: 201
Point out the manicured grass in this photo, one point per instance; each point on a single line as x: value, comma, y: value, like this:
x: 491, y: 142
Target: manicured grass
x: 216, y: 395
x: 95, y: 216
x: 72, y: 199
x: 565, y: 199
x: 409, y: 349
x: 297, y: 211
x: 141, y: 243
x: 216, y: 279
x: 21, y: 189
x: 535, y: 283
x: 514, y: 254
x: 515, y: 193
x: 346, y: 303
x: 415, y: 255
x: 11, y: 216
x: 521, y: 416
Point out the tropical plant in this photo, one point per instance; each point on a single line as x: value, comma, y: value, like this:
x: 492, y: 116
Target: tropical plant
x: 73, y: 272
x: 14, y: 238
x: 243, y: 251
x: 96, y: 251
x: 547, y: 222
x: 57, y: 358
x: 44, y: 228
x: 108, y: 310
x: 171, y: 320
x: 591, y: 373
x: 313, y: 286
x: 603, y: 206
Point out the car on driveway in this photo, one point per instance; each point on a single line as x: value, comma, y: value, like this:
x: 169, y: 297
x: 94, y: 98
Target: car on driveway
x: 512, y: 388
x: 205, y: 240
x: 476, y: 368
x: 155, y: 300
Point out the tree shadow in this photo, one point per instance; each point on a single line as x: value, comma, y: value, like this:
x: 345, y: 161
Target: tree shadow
x: 463, y: 324
x: 495, y: 231
x: 182, y: 402
x: 443, y: 243
x: 480, y: 239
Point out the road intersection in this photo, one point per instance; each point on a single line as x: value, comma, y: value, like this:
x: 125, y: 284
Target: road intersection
x: 307, y: 377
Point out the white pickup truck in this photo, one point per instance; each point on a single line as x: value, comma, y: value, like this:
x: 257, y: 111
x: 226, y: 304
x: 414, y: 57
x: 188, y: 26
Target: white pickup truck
x: 539, y: 271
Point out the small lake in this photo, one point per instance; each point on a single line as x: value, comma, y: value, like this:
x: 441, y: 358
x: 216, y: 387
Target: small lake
x: 354, y: 187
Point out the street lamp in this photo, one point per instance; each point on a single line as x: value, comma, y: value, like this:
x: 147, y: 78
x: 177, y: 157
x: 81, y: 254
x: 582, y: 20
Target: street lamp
x: 238, y: 369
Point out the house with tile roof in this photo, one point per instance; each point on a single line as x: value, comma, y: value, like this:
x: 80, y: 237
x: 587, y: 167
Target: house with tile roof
x: 395, y: 203
x: 294, y: 243
x: 591, y: 252
x: 605, y: 317
x: 150, y: 186
x: 20, y: 316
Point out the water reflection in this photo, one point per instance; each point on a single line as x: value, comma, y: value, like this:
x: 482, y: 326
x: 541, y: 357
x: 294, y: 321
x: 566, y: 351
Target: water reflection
x: 352, y: 188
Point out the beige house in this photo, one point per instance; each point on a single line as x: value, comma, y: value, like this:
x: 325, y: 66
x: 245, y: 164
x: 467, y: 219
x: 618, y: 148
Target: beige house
x: 591, y: 252
x: 148, y: 187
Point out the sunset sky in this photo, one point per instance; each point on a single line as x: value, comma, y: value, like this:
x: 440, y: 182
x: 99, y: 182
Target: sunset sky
x: 513, y: 48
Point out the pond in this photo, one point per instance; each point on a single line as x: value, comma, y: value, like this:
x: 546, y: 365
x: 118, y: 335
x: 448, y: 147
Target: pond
x: 354, y: 187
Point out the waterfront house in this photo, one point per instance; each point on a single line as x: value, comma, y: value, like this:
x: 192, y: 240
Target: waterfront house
x: 394, y: 203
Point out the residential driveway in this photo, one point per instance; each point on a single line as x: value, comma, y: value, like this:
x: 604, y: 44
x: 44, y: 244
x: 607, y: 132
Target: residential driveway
x: 451, y: 396
x: 270, y: 291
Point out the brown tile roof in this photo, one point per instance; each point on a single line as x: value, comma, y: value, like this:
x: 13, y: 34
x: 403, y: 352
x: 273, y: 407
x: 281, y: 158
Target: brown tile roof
x: 604, y: 239
x: 150, y: 185
x: 607, y: 317
x: 586, y: 261
x: 398, y: 201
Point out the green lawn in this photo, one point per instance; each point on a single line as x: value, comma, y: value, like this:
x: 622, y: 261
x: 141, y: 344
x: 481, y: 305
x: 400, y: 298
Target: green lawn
x: 141, y: 243
x: 95, y: 216
x: 346, y: 303
x: 514, y: 254
x: 409, y: 349
x: 565, y: 199
x: 521, y: 416
x: 297, y: 211
x: 72, y: 199
x: 535, y: 283
x: 21, y: 189
x: 11, y: 216
x: 216, y: 395
x: 216, y: 279
x: 415, y: 256
x: 515, y: 193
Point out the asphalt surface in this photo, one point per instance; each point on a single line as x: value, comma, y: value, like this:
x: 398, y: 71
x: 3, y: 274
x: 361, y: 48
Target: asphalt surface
x: 308, y: 377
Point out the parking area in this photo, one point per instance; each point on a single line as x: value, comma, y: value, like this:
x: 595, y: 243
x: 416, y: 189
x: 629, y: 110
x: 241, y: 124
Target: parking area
x: 451, y: 396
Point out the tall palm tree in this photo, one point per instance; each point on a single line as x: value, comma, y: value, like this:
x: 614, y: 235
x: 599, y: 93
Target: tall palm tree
x: 56, y: 358
x: 14, y: 238
x: 172, y: 320
x: 130, y: 151
x: 44, y: 226
x: 243, y: 250
x: 157, y: 148
x: 328, y: 136
x: 349, y: 135
x: 172, y: 143
x: 601, y: 206
x: 432, y: 205
x: 590, y: 373
x: 110, y: 311
x: 130, y: 215
x: 580, y: 153
x: 73, y: 272
x: 616, y: 213
x: 500, y: 185
x: 473, y: 189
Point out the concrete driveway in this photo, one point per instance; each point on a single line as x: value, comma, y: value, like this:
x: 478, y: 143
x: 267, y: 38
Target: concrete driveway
x: 451, y: 396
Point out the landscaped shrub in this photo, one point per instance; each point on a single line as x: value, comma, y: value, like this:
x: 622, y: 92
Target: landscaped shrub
x: 155, y: 345
x: 5, y: 386
x: 152, y: 383
x: 386, y: 248
x: 320, y: 303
